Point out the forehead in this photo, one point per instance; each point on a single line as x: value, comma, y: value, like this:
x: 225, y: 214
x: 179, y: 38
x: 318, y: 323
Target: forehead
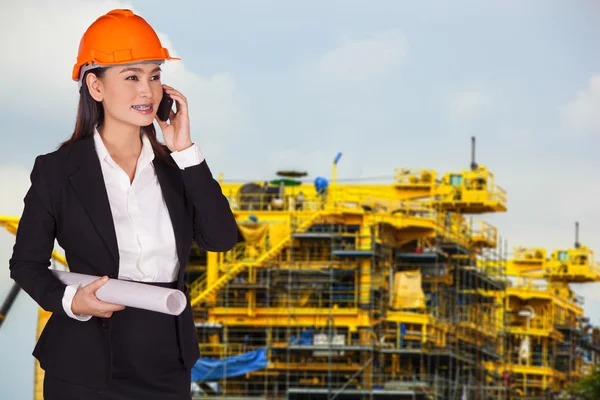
x: 139, y: 68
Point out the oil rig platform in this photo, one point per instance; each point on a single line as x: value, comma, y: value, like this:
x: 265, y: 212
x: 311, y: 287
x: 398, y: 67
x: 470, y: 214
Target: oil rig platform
x: 383, y: 291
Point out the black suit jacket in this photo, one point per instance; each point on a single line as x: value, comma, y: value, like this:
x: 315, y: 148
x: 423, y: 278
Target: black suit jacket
x: 67, y: 201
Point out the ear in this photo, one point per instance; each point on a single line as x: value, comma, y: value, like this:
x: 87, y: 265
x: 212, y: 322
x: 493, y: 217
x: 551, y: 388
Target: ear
x: 94, y: 86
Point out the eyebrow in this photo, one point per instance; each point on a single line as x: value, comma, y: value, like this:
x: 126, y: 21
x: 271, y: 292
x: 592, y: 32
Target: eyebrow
x: 134, y: 69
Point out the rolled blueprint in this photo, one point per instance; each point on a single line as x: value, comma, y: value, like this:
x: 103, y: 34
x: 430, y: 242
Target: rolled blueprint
x: 130, y: 294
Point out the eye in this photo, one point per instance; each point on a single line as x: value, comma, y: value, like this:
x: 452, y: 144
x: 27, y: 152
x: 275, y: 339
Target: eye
x: 156, y: 77
x: 131, y: 78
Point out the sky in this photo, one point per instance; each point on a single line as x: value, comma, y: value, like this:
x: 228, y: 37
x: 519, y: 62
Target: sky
x: 286, y: 85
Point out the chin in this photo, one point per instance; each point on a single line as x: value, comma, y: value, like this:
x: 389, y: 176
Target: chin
x: 146, y: 121
x: 134, y: 118
x: 140, y: 120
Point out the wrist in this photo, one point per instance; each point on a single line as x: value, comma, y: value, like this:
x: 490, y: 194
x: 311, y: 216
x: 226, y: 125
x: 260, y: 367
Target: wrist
x: 184, y: 146
x: 73, y: 306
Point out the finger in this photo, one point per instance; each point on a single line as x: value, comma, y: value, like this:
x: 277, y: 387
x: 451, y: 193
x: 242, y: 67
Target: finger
x: 96, y: 284
x: 105, y: 307
x: 178, y: 97
x: 162, y: 124
x: 107, y: 313
x: 172, y: 115
x: 180, y: 104
x: 170, y: 91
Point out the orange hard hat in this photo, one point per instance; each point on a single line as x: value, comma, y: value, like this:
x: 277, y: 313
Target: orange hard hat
x: 119, y: 37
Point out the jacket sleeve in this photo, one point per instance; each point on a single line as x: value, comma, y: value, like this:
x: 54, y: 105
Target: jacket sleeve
x: 33, y: 246
x: 215, y: 227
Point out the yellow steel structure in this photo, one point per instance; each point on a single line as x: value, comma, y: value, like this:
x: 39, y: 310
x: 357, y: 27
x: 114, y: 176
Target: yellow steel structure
x: 551, y: 344
x: 576, y: 265
x: 382, y: 250
x: 384, y: 291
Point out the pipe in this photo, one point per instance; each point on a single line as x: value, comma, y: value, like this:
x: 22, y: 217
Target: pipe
x: 473, y: 163
x: 9, y: 301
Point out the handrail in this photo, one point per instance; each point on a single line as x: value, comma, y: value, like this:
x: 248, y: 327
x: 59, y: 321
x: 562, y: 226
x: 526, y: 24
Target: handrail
x: 196, y: 292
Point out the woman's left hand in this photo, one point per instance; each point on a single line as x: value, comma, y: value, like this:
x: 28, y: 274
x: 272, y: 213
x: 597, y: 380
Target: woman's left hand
x: 176, y: 132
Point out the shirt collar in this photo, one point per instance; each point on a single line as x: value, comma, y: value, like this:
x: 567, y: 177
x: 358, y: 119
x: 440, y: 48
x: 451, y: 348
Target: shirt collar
x: 147, y: 154
x: 100, y: 147
x: 145, y: 158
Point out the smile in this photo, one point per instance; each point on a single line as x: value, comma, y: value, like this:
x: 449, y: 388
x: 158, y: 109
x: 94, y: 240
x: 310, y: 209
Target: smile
x: 143, y: 108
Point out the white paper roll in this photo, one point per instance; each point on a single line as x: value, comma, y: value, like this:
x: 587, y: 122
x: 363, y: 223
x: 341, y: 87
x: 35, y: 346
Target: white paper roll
x: 131, y: 294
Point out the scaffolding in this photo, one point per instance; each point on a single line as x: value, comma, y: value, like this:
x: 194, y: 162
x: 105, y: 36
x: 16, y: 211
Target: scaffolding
x: 379, y: 291
x: 364, y: 291
x: 383, y: 291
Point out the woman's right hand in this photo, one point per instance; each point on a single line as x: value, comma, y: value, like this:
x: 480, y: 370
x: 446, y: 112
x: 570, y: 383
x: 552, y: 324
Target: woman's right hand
x: 85, y: 301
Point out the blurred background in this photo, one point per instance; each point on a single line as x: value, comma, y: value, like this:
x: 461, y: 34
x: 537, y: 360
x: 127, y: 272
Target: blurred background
x: 287, y: 85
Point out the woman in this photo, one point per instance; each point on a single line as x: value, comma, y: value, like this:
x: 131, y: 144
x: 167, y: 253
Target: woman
x: 123, y: 206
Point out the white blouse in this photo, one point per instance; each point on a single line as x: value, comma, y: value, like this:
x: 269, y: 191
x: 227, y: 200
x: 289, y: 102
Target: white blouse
x: 145, y: 237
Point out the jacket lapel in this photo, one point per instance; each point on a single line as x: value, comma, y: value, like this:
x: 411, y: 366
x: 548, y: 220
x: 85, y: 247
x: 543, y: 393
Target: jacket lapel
x: 88, y: 184
x: 172, y: 189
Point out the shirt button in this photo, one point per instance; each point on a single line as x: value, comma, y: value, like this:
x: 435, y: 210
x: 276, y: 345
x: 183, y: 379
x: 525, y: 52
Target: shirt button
x: 105, y: 324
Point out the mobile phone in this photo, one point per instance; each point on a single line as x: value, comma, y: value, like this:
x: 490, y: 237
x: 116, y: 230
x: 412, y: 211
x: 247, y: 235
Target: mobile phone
x: 165, y: 106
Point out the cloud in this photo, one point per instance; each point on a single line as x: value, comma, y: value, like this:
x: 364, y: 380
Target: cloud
x: 38, y: 75
x: 339, y: 93
x: 360, y: 62
x: 218, y: 110
x: 466, y: 105
x: 581, y: 115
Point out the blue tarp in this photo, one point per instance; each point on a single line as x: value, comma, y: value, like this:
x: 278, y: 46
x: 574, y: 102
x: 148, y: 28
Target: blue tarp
x: 210, y: 369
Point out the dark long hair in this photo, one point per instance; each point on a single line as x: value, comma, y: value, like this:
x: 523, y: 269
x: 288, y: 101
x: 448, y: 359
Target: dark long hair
x: 90, y: 114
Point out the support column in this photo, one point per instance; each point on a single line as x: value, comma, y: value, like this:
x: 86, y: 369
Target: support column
x: 365, y: 283
x: 212, y: 274
x: 367, y: 374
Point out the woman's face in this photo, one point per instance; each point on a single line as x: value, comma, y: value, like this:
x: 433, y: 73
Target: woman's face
x: 131, y: 94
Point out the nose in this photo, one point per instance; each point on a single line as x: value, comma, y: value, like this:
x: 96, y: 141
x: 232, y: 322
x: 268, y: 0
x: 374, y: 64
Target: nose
x: 144, y: 89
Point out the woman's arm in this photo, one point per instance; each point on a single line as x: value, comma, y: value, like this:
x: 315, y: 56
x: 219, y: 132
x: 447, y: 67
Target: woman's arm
x: 215, y: 228
x: 33, y: 246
